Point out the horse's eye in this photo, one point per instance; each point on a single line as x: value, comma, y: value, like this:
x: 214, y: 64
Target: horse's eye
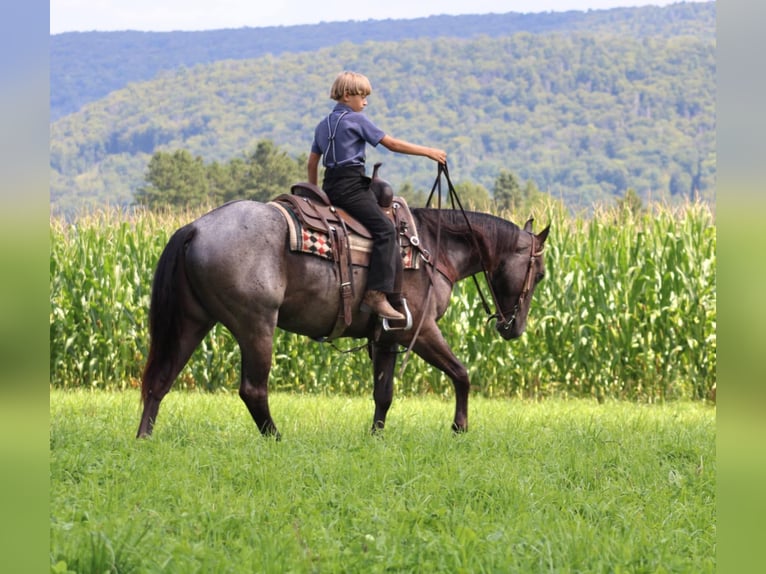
x: 540, y: 276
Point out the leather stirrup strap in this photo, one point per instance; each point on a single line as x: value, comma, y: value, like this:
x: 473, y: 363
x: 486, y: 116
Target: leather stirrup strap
x: 344, y: 268
x: 341, y: 255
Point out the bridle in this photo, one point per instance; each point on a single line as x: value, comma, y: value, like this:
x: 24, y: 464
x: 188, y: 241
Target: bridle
x: 504, y: 324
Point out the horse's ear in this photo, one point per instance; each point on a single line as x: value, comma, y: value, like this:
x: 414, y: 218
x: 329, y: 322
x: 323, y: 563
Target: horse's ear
x: 543, y: 235
x: 528, y: 224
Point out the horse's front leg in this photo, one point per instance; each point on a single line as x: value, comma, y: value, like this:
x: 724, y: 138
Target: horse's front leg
x: 383, y: 362
x: 433, y: 349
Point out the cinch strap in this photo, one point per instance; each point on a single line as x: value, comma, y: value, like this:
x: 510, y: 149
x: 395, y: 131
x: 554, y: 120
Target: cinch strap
x: 331, y: 140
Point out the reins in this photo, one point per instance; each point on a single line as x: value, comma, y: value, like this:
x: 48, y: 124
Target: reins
x: 505, y: 323
x: 455, y: 199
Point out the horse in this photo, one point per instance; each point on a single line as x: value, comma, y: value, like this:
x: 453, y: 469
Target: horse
x: 233, y: 266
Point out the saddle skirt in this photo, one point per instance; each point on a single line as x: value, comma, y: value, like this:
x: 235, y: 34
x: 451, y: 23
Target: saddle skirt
x: 315, y: 228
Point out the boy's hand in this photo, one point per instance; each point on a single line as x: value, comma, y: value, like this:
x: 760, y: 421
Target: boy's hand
x: 438, y: 155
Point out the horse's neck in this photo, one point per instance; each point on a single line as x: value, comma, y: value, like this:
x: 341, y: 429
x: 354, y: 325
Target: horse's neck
x: 461, y: 251
x: 465, y: 258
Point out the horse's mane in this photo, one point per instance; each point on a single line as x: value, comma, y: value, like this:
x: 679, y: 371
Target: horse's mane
x: 493, y: 234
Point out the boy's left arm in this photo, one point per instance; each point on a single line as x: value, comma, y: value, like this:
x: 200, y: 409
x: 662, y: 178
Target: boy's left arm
x: 313, y: 167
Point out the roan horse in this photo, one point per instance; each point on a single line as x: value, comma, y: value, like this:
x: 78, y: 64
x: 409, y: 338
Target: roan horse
x: 233, y: 266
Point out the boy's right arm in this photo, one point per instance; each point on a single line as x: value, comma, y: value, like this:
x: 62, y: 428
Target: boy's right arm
x: 401, y: 146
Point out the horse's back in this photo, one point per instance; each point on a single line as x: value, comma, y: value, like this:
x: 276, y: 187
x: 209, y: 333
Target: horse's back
x: 241, y: 224
x: 238, y: 250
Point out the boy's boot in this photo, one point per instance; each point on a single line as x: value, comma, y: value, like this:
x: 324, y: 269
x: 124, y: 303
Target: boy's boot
x: 377, y: 302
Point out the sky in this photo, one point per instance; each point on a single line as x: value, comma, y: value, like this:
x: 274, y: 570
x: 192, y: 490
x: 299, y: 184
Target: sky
x: 192, y: 15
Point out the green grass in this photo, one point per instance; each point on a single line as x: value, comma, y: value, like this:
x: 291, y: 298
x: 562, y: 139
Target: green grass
x: 552, y: 486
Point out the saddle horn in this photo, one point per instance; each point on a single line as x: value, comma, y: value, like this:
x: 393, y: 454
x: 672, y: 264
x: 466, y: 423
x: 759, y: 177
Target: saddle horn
x: 383, y: 191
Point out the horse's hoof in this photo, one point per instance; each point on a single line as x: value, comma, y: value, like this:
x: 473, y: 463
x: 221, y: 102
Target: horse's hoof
x: 458, y: 429
x: 270, y: 431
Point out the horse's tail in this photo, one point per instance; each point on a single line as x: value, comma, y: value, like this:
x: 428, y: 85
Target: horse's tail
x: 165, y: 311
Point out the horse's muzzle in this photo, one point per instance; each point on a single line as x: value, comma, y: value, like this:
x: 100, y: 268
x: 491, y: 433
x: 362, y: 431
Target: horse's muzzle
x: 506, y: 327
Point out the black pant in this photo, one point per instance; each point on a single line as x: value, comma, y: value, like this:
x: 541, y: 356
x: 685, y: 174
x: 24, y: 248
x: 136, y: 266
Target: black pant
x: 349, y: 188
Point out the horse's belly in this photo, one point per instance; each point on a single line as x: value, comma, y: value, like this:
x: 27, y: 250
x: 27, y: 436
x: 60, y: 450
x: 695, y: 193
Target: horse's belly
x: 313, y: 299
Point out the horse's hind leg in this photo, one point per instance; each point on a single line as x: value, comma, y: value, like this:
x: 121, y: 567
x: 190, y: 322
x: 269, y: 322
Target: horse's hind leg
x: 161, y: 372
x: 383, y: 361
x: 254, y: 386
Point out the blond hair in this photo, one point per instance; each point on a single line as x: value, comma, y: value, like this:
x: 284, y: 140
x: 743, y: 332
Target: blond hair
x: 350, y: 83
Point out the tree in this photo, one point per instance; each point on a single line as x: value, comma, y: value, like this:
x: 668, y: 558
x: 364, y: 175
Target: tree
x: 506, y: 191
x: 175, y: 180
x: 178, y: 180
x: 680, y: 184
x: 269, y: 172
x: 631, y: 202
x: 413, y: 197
x: 473, y: 195
x: 511, y: 196
x: 223, y: 178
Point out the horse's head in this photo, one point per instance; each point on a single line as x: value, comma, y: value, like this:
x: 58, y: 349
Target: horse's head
x: 514, y: 280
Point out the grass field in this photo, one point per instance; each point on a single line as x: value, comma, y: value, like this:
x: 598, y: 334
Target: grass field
x: 551, y: 486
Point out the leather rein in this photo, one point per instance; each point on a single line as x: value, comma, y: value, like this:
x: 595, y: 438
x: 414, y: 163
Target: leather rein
x: 503, y: 323
x: 431, y: 260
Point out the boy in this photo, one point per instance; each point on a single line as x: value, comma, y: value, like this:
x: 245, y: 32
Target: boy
x: 340, y: 139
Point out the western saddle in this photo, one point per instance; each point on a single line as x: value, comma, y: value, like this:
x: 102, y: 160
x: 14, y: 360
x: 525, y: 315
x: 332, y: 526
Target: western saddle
x: 310, y: 206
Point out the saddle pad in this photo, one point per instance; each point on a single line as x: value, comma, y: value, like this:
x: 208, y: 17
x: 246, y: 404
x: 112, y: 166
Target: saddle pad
x: 314, y: 242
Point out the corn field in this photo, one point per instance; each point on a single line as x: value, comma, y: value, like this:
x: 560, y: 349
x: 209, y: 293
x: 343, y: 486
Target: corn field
x: 627, y: 311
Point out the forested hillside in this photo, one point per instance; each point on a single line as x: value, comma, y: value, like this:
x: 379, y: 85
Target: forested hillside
x: 87, y: 66
x: 585, y: 115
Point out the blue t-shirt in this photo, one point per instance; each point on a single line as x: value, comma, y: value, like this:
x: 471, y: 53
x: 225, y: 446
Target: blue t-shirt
x: 352, y: 131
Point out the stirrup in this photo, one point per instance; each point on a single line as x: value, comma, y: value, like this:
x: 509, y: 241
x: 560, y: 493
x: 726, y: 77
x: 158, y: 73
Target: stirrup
x: 408, y: 319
